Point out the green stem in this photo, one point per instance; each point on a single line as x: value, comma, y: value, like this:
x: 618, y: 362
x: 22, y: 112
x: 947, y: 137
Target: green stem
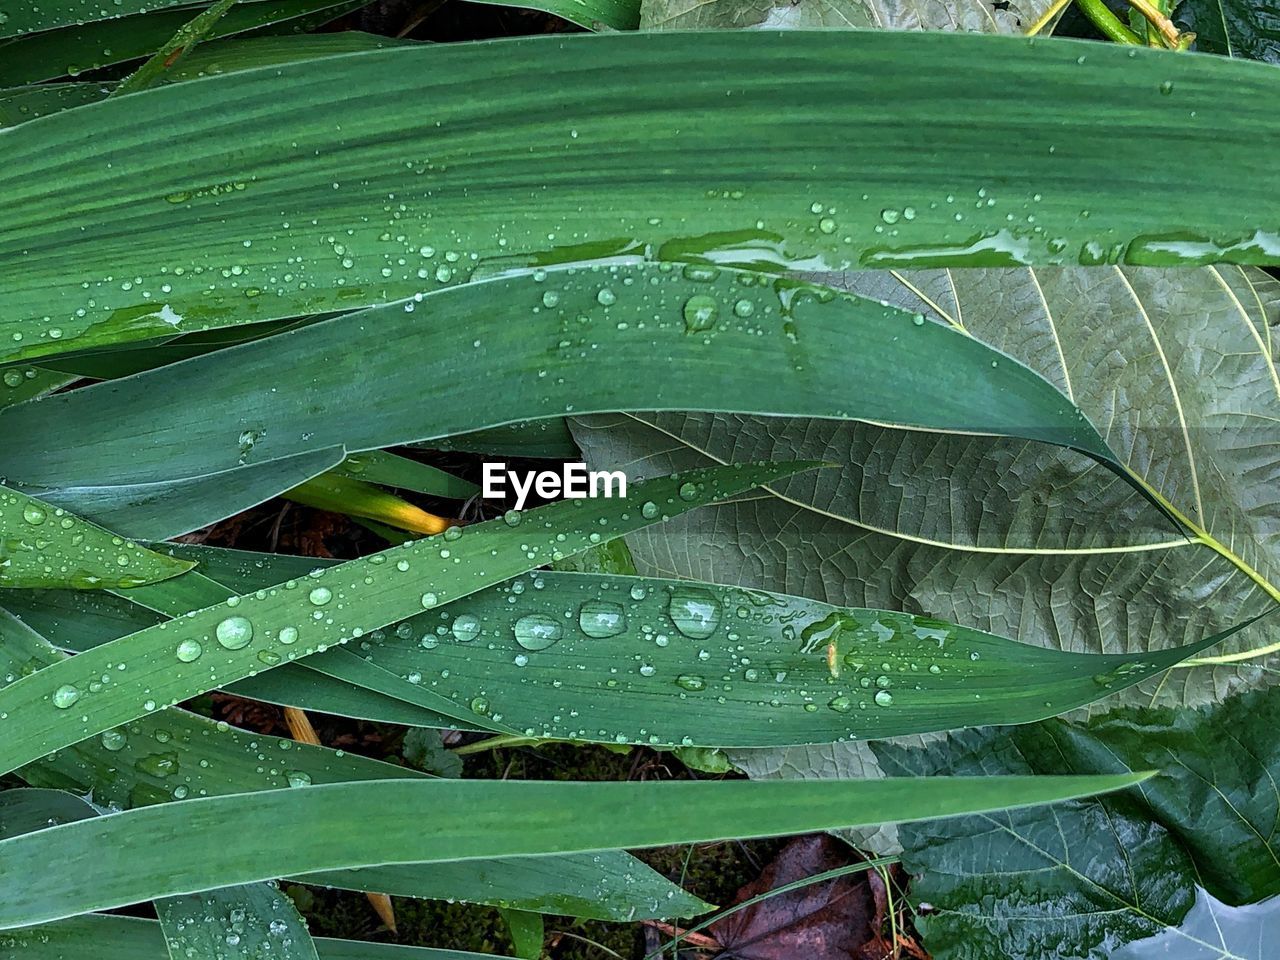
x: 168, y: 56
x: 1108, y: 22
x: 493, y: 743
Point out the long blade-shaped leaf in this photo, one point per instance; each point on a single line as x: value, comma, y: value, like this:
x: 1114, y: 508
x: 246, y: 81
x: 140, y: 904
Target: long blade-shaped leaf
x: 129, y: 938
x: 245, y: 922
x: 574, y: 340
x: 812, y: 149
x: 45, y: 546
x: 178, y: 754
x: 207, y: 648
x: 242, y: 839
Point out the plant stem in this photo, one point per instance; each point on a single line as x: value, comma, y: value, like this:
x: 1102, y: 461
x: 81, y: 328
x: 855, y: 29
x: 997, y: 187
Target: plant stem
x: 1108, y: 22
x: 1168, y: 32
x: 168, y: 56
x: 493, y: 743
x: 1203, y: 536
x: 1055, y: 8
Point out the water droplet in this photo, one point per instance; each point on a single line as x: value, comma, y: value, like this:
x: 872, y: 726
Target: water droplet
x: 189, y: 650
x: 638, y: 592
x: 890, y: 215
x: 114, y: 740
x: 696, y: 613
x: 840, y: 704
x: 288, y: 635
x: 65, y: 696
x: 465, y: 628
x: 688, y: 491
x: 649, y: 510
x: 600, y: 618
x: 606, y: 297
x: 34, y: 514
x: 537, y: 631
x: 320, y: 596
x: 298, y: 778
x: 480, y: 705
x: 1167, y: 87
x: 234, y: 633
x: 158, y: 764
x: 690, y: 682
x: 512, y: 518
x: 884, y: 698
x: 743, y: 309
x: 700, y: 313
x: 827, y: 225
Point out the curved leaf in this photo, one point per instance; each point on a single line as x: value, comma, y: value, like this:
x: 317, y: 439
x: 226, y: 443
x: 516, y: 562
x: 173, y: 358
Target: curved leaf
x: 45, y: 546
x: 220, y: 644
x: 130, y: 938
x: 348, y: 825
x: 627, y: 337
x: 235, y: 923
x: 766, y: 148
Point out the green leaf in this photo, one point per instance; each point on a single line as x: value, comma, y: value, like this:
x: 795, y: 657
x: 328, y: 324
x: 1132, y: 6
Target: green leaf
x: 423, y: 749
x: 20, y: 104
x: 527, y: 932
x: 235, y: 923
x: 348, y: 825
x: 548, y: 439
x: 22, y: 383
x: 1004, y: 537
x: 220, y: 644
x: 1081, y: 879
x: 662, y: 662
x: 390, y: 470
x: 45, y: 546
x: 74, y: 49
x: 969, y: 15
x: 829, y: 117
x: 129, y: 938
x: 178, y: 754
x: 592, y: 14
x: 606, y: 339
x: 1233, y: 28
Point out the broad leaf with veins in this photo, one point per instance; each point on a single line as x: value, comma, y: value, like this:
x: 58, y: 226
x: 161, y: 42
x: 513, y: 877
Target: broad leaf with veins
x: 977, y: 16
x: 1174, y: 367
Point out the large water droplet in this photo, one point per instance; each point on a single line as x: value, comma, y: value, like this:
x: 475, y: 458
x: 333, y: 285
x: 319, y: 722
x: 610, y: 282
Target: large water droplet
x: 696, y: 613
x: 700, y: 313
x: 65, y: 696
x: 884, y: 698
x: 298, y: 778
x: 320, y: 596
x: 465, y: 628
x: 114, y: 740
x: 537, y: 631
x: 690, y: 682
x: 189, y: 650
x: 158, y: 764
x: 600, y: 618
x: 840, y: 704
x: 234, y: 633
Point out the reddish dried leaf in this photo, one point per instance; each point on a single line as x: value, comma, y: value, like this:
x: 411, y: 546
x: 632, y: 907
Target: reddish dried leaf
x: 834, y: 920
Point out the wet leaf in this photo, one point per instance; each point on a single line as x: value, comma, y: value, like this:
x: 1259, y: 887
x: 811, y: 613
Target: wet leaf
x: 235, y: 923
x: 835, y: 178
x: 45, y: 546
x: 1081, y: 879
x: 337, y: 826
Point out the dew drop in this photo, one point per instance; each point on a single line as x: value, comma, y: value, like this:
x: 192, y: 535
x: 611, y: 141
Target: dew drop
x: 320, y: 596
x: 700, y: 313
x: 234, y: 633
x: 65, y: 696
x: 601, y: 618
x: 884, y: 698
x: 690, y: 682
x: 465, y: 628
x: 696, y: 613
x: 537, y: 631
x: 189, y: 650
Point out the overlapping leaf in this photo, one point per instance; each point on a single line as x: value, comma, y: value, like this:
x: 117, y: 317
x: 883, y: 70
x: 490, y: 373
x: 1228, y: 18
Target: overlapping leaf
x: 573, y: 340
x: 800, y: 148
x: 348, y: 825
